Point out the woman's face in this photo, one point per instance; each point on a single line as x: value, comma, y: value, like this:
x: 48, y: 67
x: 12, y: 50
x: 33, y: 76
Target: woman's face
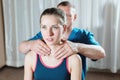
x: 51, y: 29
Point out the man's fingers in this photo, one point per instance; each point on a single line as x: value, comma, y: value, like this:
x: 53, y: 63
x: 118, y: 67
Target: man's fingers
x: 61, y: 54
x: 41, y: 52
x: 44, y: 46
x: 43, y: 49
x: 59, y: 51
x: 64, y: 56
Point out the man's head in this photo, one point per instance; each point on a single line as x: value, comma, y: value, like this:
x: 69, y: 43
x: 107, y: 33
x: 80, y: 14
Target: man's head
x: 70, y: 11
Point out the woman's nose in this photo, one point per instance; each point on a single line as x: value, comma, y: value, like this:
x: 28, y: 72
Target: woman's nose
x: 50, y: 32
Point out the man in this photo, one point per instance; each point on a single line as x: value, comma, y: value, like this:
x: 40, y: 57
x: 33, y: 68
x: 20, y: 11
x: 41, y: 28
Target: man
x: 82, y: 41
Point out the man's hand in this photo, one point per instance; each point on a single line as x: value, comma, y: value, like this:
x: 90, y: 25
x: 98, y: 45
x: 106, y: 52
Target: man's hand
x: 38, y: 46
x: 66, y: 49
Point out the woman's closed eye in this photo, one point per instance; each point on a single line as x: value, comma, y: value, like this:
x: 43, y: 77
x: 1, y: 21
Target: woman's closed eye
x: 55, y: 27
x: 43, y: 26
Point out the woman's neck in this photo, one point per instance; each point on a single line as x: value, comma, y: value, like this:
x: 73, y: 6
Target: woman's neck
x: 53, y: 49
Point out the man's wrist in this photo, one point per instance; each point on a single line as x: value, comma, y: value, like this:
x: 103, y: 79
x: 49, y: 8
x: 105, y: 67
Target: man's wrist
x: 29, y: 45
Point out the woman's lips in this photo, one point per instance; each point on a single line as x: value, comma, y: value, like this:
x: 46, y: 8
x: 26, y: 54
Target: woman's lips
x: 49, y: 39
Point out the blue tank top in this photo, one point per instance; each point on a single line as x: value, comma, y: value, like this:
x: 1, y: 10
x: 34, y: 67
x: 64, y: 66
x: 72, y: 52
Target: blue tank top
x: 45, y: 73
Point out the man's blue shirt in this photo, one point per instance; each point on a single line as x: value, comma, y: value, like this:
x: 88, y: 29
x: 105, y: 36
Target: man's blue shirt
x: 78, y: 36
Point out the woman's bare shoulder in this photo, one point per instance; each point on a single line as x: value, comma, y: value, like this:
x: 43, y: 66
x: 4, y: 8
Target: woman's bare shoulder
x: 74, y: 57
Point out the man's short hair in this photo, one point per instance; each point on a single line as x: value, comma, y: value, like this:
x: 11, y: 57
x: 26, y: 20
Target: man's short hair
x: 65, y: 3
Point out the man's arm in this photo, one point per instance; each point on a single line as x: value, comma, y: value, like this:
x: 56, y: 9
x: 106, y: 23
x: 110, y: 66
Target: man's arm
x: 66, y: 49
x: 35, y: 44
x: 90, y: 51
x: 38, y: 46
x: 24, y: 46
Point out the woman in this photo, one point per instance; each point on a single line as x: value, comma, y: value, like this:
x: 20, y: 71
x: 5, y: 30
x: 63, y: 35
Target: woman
x: 39, y: 67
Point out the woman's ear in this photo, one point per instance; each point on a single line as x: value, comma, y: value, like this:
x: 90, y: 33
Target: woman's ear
x: 64, y: 28
x: 75, y: 16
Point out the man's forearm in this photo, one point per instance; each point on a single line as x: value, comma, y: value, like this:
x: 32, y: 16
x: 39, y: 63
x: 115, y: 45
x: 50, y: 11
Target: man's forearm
x: 91, y: 51
x: 24, y: 46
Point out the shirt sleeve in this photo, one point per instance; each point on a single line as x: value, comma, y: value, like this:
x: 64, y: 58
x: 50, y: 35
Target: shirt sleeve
x: 91, y: 39
x: 37, y: 36
x: 88, y: 37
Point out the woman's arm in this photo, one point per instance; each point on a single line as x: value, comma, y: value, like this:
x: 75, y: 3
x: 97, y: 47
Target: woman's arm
x: 28, y: 74
x: 75, y: 66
